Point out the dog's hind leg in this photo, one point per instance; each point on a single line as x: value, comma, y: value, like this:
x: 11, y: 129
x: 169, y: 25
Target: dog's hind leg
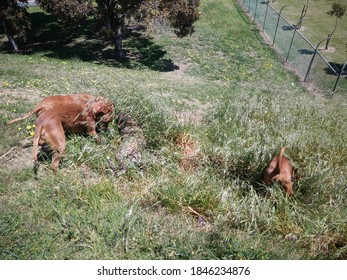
x: 54, y: 135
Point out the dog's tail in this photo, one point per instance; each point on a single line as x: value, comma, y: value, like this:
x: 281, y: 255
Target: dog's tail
x: 27, y: 115
x: 280, y: 157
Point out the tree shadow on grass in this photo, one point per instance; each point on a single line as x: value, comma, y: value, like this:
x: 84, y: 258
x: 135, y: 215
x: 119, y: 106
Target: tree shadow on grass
x: 337, y: 67
x: 287, y: 28
x: 305, y: 52
x: 141, y: 52
x: 53, y: 39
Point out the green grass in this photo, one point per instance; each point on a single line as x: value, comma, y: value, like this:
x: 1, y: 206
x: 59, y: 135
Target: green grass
x: 297, y: 49
x: 318, y: 24
x: 218, y: 99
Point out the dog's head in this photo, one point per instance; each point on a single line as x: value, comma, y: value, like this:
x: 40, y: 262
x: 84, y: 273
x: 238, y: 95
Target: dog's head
x: 285, y: 182
x: 288, y: 188
x: 103, y: 111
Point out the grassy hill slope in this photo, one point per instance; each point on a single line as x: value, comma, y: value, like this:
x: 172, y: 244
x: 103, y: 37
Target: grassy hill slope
x: 214, y: 108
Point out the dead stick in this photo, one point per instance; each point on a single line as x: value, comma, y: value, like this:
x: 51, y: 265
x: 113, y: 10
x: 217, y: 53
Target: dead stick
x: 7, y: 153
x: 196, y: 213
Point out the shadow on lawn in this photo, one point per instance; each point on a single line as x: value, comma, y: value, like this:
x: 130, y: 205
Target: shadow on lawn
x: 50, y: 37
x: 337, y: 67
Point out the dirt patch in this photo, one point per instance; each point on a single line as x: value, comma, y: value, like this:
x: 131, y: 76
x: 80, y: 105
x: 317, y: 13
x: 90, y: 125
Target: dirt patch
x: 20, y: 156
x: 181, y: 74
x: 190, y: 151
x: 17, y: 158
x: 9, y: 96
x: 12, y: 98
x: 194, y: 114
x: 329, y: 50
x: 182, y: 67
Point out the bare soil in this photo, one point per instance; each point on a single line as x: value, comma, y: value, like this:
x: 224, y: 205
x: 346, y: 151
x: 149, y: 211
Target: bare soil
x: 19, y: 156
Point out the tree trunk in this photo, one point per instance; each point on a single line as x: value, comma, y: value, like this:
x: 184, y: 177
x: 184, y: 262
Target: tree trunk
x: 328, y: 41
x: 118, y: 43
x: 331, y: 35
x: 10, y: 37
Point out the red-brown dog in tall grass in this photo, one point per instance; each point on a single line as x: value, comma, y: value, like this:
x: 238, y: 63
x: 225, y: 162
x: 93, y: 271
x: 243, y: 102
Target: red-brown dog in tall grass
x: 280, y: 169
x: 101, y: 107
x: 51, y: 126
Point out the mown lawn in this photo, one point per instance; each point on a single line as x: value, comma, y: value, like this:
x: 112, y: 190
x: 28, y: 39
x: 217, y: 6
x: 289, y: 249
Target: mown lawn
x: 318, y: 24
x: 222, y: 95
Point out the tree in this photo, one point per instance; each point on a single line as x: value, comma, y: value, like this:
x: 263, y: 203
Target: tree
x: 13, y: 19
x: 338, y: 11
x: 112, y: 15
x: 303, y: 14
x: 68, y: 11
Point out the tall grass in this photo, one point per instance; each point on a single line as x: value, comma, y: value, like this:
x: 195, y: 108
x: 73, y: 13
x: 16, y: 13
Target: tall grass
x: 211, y: 126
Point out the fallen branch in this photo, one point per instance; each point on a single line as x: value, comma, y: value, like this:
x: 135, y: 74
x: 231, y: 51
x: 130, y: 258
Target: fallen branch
x: 4, y: 155
x: 191, y: 210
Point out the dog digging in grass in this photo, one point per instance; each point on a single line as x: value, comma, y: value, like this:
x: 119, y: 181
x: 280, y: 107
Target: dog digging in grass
x: 51, y: 126
x: 72, y: 113
x: 102, y: 108
x: 280, y: 169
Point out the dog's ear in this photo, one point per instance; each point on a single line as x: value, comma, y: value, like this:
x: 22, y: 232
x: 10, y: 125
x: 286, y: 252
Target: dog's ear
x: 102, y: 106
x: 96, y: 107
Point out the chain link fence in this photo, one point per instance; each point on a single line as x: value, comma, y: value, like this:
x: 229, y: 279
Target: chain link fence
x: 296, y: 49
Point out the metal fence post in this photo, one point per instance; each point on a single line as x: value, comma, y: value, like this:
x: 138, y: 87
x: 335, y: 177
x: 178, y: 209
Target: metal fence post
x: 278, y: 20
x: 291, y: 43
x: 267, y: 7
x: 310, y: 65
x: 338, y: 78
x: 255, y: 12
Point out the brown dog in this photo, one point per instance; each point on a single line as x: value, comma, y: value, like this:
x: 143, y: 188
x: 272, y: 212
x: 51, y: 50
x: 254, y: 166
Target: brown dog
x: 102, y: 108
x: 280, y: 169
x: 52, y: 124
